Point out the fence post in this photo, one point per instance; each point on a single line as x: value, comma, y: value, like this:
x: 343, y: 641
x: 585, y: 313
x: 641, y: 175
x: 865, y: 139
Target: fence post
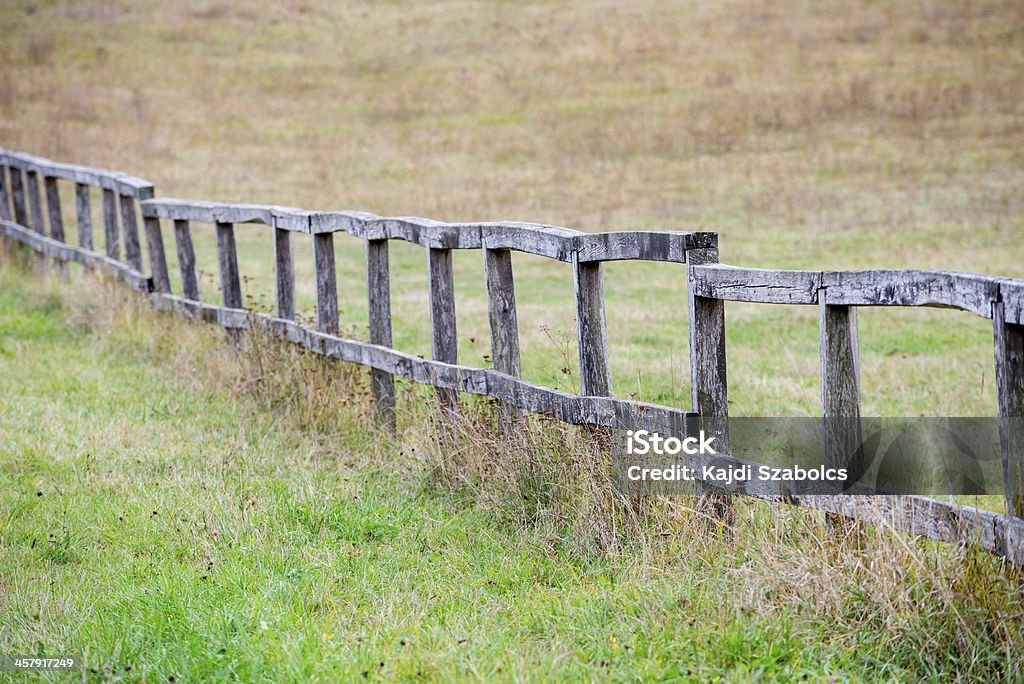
x: 840, y: 385
x: 5, y: 202
x: 130, y: 228
x: 54, y: 214
x: 18, y: 196
x: 35, y: 207
x: 227, y: 260
x: 284, y: 274
x: 591, y: 330
x: 840, y: 394
x: 443, y: 335
x: 1009, y: 352
x: 113, y: 248
x: 326, y: 283
x: 186, y: 259
x: 504, y: 324
x: 157, y: 259
x: 378, y: 286
x: 35, y: 203
x: 83, y: 215
x: 709, y: 387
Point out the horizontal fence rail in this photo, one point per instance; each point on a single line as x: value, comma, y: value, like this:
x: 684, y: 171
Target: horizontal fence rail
x: 709, y: 284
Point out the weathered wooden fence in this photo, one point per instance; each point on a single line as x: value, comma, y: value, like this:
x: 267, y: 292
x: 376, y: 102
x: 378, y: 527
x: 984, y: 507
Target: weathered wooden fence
x: 709, y: 285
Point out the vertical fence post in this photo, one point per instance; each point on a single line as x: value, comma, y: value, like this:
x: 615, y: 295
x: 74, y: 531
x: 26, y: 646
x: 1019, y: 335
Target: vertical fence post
x: 840, y: 385
x: 130, y: 228
x: 840, y: 394
x: 1009, y: 352
x: 157, y: 258
x: 53, y: 208
x: 504, y: 324
x: 5, y: 202
x: 35, y: 207
x: 443, y: 335
x: 54, y: 214
x: 113, y: 248
x: 18, y: 196
x: 83, y: 215
x: 326, y: 283
x: 591, y: 329
x: 35, y: 202
x: 186, y: 260
x: 227, y: 260
x: 378, y: 286
x: 284, y: 274
x: 709, y: 386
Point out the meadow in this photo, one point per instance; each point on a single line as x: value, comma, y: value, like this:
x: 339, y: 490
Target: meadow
x: 824, y: 135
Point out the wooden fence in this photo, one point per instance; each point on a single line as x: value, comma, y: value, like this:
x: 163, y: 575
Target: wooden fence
x: 709, y: 285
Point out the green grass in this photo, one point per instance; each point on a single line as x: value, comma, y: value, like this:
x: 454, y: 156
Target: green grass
x: 166, y: 522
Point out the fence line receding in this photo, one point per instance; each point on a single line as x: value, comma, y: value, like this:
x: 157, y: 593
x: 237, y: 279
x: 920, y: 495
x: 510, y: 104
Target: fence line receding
x: 838, y: 294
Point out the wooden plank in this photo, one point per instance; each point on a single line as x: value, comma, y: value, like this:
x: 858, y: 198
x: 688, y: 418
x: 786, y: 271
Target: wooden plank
x: 117, y: 181
x: 968, y: 291
x: 326, y: 283
x: 187, y: 260
x: 110, y: 231
x: 157, y: 258
x: 130, y: 228
x: 45, y: 246
x: 591, y: 329
x: 53, y: 209
x: 1009, y: 357
x: 547, y: 241
x: 504, y: 324
x: 645, y: 245
x: 284, y: 274
x: 709, y: 387
x: 227, y: 260
x: 18, y: 196
x: 83, y: 215
x: 5, y: 198
x: 768, y: 286
x: 35, y: 203
x: 443, y: 334
x: 378, y: 286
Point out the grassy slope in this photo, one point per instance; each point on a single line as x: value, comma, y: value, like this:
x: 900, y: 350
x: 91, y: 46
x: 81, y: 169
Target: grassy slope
x: 166, y: 522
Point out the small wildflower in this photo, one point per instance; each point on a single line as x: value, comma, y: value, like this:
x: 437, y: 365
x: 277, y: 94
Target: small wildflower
x: 216, y: 534
x: 327, y: 636
x: 264, y: 626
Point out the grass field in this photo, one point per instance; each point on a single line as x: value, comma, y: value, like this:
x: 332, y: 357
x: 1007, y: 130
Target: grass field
x: 809, y: 135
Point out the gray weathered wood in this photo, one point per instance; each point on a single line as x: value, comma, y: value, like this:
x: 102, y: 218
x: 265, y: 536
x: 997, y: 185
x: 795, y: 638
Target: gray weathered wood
x: 968, y: 291
x: 5, y: 198
x: 110, y: 231
x: 443, y: 334
x: 83, y: 215
x: 646, y: 245
x: 35, y: 203
x: 130, y: 228
x: 718, y: 281
x: 501, y: 311
x: 591, y: 329
x: 504, y: 325
x: 378, y: 286
x: 18, y: 196
x: 227, y: 260
x: 187, y: 260
x: 709, y: 387
x: 326, y: 283
x: 53, y: 209
x: 284, y: 274
x: 157, y: 258
x: 1009, y: 356
x: 117, y: 181
x: 45, y: 246
x: 840, y: 394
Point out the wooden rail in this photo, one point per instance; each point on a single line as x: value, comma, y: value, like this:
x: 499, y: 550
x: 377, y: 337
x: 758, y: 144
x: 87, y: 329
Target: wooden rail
x: 709, y: 285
